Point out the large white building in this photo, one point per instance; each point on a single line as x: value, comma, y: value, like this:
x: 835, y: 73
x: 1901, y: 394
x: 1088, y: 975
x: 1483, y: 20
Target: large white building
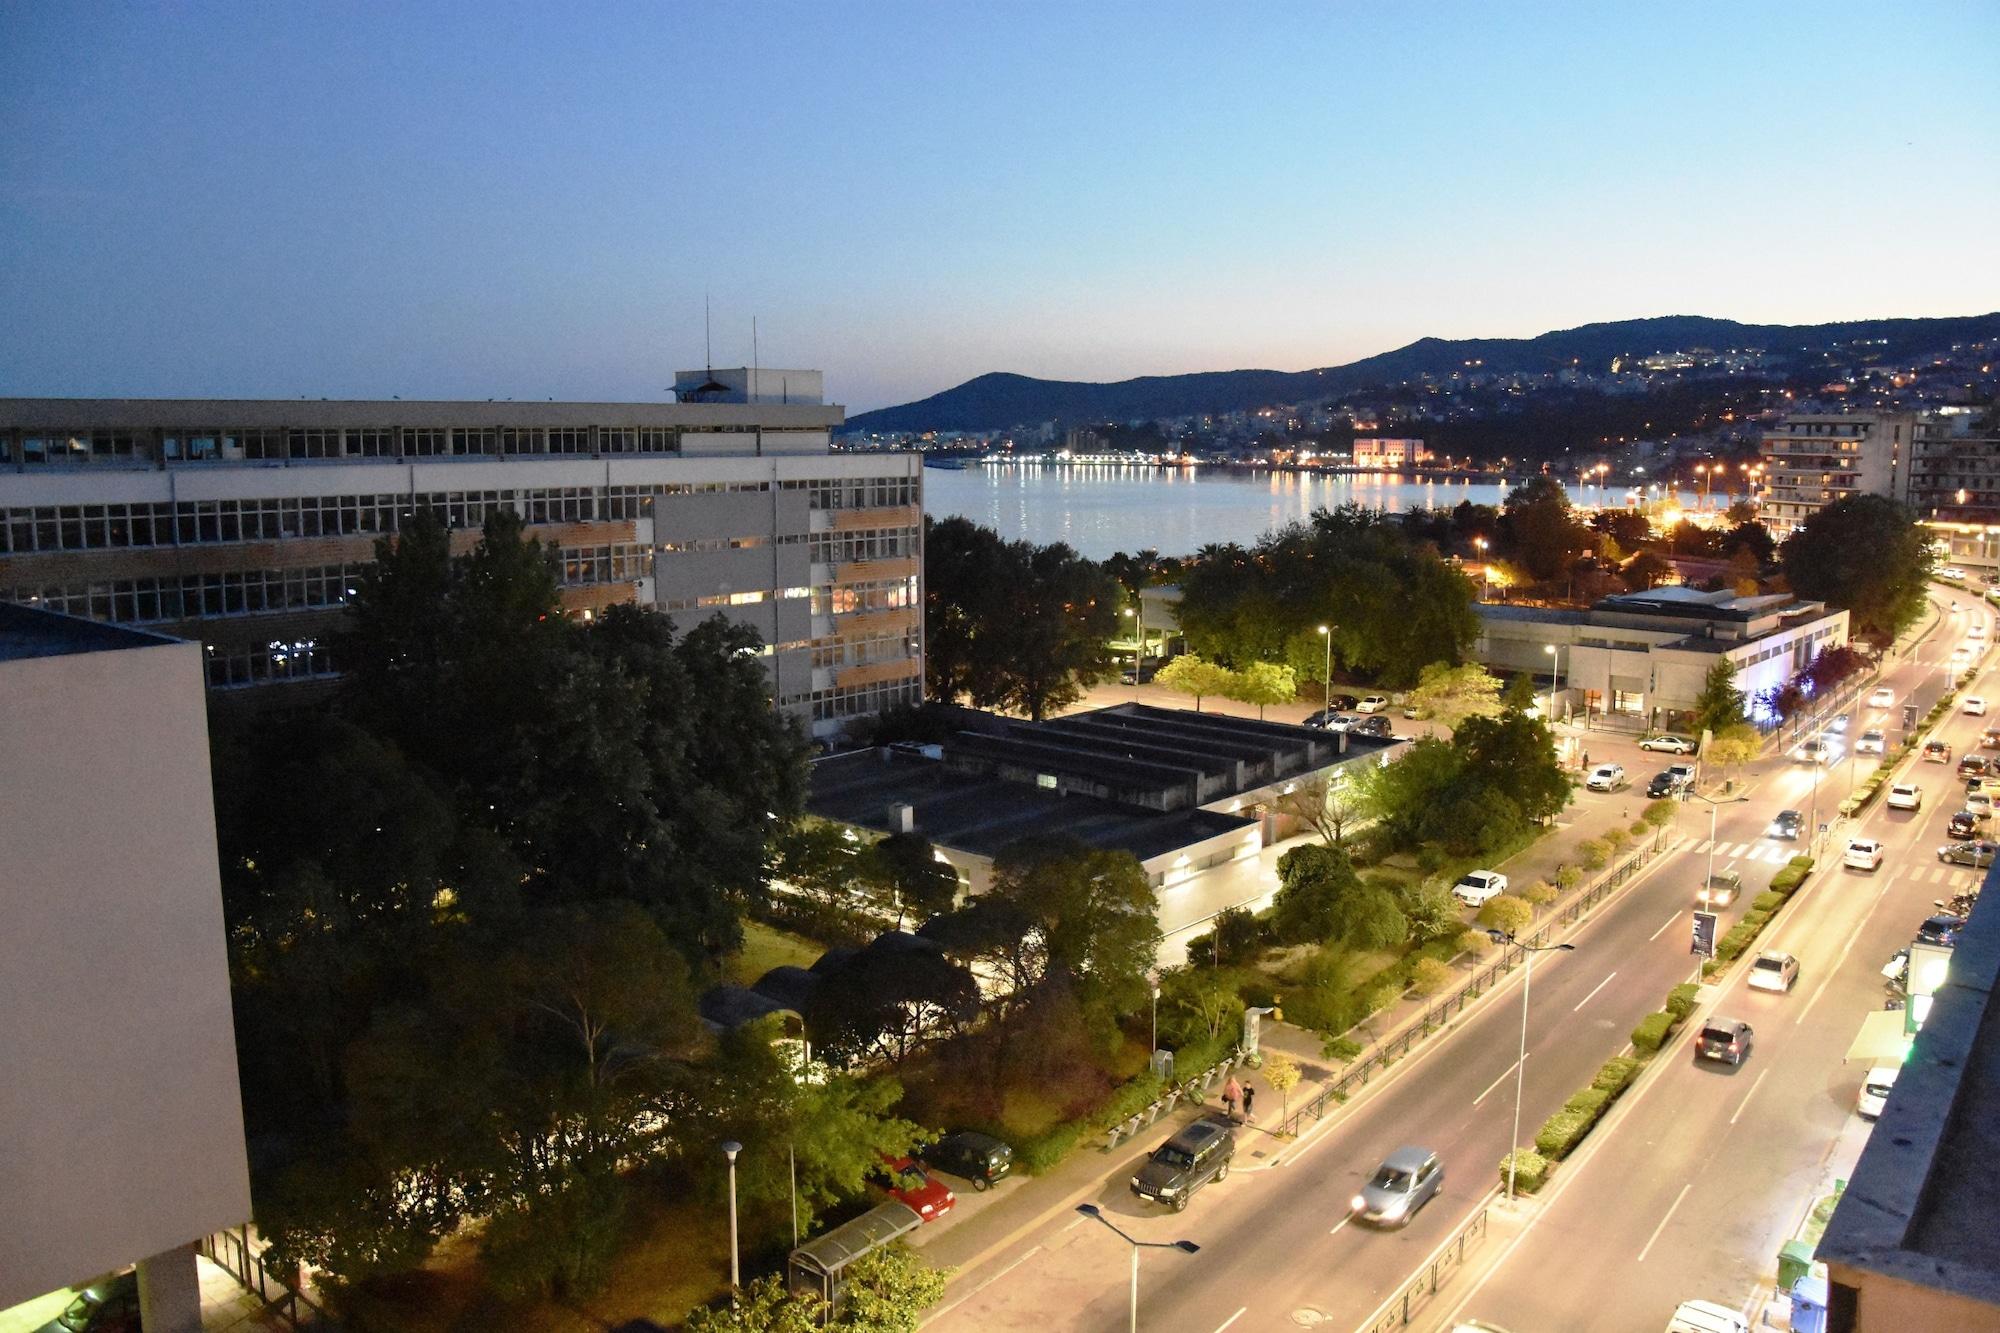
x: 1812, y: 459
x: 246, y: 524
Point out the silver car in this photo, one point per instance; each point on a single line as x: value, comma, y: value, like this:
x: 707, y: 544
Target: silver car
x: 1408, y: 1180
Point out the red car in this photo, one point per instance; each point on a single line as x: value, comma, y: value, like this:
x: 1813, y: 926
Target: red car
x: 908, y: 1183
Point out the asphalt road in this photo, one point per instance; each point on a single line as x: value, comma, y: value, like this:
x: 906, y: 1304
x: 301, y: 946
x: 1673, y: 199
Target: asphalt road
x: 1706, y: 1170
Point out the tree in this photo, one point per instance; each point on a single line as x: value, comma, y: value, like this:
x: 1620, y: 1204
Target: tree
x: 1733, y: 746
x: 905, y: 866
x: 1060, y: 612
x: 1095, y: 911
x: 1369, y: 918
x: 1190, y: 674
x: 1281, y: 1071
x: 889, y: 1288
x: 1204, y: 997
x: 1398, y: 795
x: 1865, y: 553
x: 1720, y: 704
x: 1648, y: 569
x: 1541, y: 531
x: 765, y: 1305
x: 1450, y: 694
x: 965, y: 568
x: 816, y: 857
x: 1514, y: 754
x: 890, y: 999
x: 1263, y: 684
x: 1325, y: 805
x: 1628, y: 527
x: 1312, y: 882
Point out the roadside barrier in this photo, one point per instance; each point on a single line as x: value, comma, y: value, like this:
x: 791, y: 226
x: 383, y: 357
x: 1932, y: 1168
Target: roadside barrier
x: 1400, y: 1309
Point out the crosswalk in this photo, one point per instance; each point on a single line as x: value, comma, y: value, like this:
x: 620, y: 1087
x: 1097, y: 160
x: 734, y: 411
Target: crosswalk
x: 1960, y: 877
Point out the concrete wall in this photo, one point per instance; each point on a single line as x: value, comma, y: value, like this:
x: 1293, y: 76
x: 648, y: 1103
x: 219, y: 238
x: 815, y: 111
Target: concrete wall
x: 119, y: 1109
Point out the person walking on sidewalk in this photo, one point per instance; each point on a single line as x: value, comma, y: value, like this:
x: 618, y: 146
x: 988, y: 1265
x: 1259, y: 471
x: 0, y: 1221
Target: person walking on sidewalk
x: 1249, y: 1100
x: 1232, y: 1093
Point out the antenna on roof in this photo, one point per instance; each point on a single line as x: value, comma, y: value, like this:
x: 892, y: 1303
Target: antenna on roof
x: 753, y: 358
x: 707, y: 340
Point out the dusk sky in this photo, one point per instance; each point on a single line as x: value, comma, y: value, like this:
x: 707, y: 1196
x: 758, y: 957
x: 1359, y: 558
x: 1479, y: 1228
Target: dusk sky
x: 532, y: 200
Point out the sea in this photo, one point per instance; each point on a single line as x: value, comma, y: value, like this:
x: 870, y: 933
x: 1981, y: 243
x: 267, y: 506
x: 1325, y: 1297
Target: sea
x: 1101, y: 509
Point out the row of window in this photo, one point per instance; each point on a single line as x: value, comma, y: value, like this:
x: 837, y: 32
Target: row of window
x: 834, y: 653
x: 220, y: 444
x: 871, y: 595
x: 141, y: 601
x: 858, y: 700
x: 620, y: 562
x: 858, y: 492
x: 236, y: 667
x: 863, y: 544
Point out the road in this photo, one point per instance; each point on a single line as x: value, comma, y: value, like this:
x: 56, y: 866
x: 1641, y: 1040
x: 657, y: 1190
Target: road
x: 1276, y: 1246
x: 1705, y: 1170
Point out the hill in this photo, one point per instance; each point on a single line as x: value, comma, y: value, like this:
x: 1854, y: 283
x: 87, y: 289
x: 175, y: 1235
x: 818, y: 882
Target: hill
x: 998, y: 400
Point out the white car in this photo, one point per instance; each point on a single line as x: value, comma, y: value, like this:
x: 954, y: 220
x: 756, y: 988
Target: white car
x: 1871, y: 742
x: 1813, y: 751
x: 1882, y: 697
x: 1979, y: 803
x: 1974, y: 705
x: 1706, y: 1317
x: 1953, y: 572
x: 1606, y: 777
x: 1774, y: 971
x: 1875, y: 1090
x: 1962, y: 653
x: 1863, y: 854
x: 1906, y: 796
x: 1374, y: 703
x: 1479, y: 887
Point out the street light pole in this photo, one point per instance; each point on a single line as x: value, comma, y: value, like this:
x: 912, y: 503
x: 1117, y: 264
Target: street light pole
x: 729, y: 1150
x: 1555, y: 670
x: 1326, y: 694
x: 1156, y: 1016
x: 1521, y: 1061
x: 1485, y: 570
x: 1092, y: 1211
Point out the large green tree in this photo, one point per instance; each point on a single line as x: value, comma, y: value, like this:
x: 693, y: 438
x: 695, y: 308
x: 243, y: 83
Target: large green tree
x: 1720, y: 704
x: 1450, y: 694
x: 1540, y: 531
x: 1865, y: 553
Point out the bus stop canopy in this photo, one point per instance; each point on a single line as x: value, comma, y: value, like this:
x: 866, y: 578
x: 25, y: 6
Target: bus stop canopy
x: 1881, y: 1040
x: 829, y: 1254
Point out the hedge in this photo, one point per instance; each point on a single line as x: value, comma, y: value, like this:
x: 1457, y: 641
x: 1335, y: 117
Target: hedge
x: 1786, y: 881
x: 1768, y: 901
x: 1641, y: 829
x: 1617, y: 1073
x: 1739, y: 938
x: 1652, y: 1031
x: 1753, y: 922
x: 1681, y: 1000
x: 1531, y: 1170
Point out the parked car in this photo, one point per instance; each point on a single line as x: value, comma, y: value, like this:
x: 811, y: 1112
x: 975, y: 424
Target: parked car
x: 1341, y: 722
x: 1875, y: 1090
x: 1706, y: 1317
x: 1979, y: 803
x: 1720, y: 888
x: 1408, y: 1179
x: 1976, y: 630
x: 1964, y: 824
x: 1974, y: 706
x: 1683, y: 774
x: 1724, y: 1039
x: 1186, y: 1162
x: 1937, y: 752
x: 1373, y: 726
x: 1774, y: 971
x: 1341, y: 703
x: 1972, y: 765
x: 1871, y: 742
x: 1372, y: 703
x: 1978, y: 854
x: 970, y: 1155
x: 1669, y: 744
x: 1905, y: 796
x: 1990, y: 738
x: 1863, y: 854
x: 110, y: 1306
x: 1787, y: 825
x: 1319, y: 721
x: 1606, y: 777
x: 1476, y: 888
x: 1138, y: 675
x: 907, y: 1183
x: 1941, y: 929
x: 1952, y: 572
x: 1882, y: 697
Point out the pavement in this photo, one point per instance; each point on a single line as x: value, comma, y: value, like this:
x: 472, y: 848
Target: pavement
x: 1277, y: 1249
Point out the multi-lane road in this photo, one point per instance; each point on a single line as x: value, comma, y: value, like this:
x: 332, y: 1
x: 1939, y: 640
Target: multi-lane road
x: 1277, y: 1249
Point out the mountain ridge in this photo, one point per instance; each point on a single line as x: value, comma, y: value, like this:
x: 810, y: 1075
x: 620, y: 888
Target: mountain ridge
x: 1000, y: 399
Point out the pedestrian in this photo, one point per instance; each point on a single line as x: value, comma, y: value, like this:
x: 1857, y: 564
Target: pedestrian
x: 1232, y: 1093
x: 1249, y: 1100
x: 1586, y: 759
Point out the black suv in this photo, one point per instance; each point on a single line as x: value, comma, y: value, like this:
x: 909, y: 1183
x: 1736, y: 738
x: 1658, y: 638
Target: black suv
x: 1184, y: 1163
x: 980, y: 1158
x: 1787, y: 825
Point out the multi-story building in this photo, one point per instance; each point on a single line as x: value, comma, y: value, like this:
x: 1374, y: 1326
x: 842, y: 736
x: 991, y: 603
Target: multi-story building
x: 1389, y: 453
x: 1813, y: 459
x: 1954, y: 485
x: 246, y: 524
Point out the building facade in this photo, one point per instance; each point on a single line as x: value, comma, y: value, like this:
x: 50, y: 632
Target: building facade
x: 1954, y: 486
x: 1812, y: 459
x: 246, y: 524
x: 1389, y: 454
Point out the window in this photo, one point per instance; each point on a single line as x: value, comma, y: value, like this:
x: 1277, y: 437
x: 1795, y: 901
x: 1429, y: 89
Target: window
x: 466, y: 440
x: 569, y: 439
x: 424, y: 442
x: 522, y: 440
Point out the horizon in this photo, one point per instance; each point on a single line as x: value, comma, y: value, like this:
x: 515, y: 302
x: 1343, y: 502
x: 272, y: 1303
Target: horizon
x: 465, y: 202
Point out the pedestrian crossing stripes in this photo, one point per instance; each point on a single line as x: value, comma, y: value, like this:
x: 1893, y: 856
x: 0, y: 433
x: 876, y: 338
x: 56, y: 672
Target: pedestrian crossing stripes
x: 1958, y: 877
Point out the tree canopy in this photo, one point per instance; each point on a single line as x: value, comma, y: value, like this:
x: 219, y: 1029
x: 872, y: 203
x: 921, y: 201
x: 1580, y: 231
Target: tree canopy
x: 1865, y: 553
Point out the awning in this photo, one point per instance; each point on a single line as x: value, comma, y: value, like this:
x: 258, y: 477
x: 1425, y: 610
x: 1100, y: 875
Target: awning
x: 1881, y: 1040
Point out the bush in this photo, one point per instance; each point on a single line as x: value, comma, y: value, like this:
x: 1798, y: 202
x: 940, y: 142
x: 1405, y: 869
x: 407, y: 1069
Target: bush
x: 1568, y: 877
x: 1339, y: 1049
x: 1430, y: 976
x: 1802, y: 861
x: 1590, y: 1101
x: 1753, y: 921
x: 1652, y: 1032
x: 1617, y: 1073
x: 1594, y: 853
x: 1617, y: 839
x: 1660, y: 813
x: 1431, y: 858
x: 1787, y: 881
x: 1042, y: 1152
x: 1641, y: 829
x: 1477, y: 943
x: 1561, y: 1132
x: 1767, y: 902
x: 1530, y: 1169
x: 1681, y: 1000
x: 1540, y: 893
x: 1732, y: 945
x: 1507, y: 913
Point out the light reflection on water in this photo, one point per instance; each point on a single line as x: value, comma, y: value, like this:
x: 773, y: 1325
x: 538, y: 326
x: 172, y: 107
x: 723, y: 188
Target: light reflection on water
x: 1099, y: 510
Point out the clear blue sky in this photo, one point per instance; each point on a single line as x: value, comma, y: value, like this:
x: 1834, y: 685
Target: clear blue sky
x: 531, y: 200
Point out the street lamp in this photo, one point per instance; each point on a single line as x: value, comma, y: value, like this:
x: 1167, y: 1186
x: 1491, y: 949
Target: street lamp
x: 1326, y: 698
x: 1690, y: 794
x: 729, y: 1149
x: 1156, y: 1014
x: 1521, y: 1063
x: 1091, y: 1210
x: 1555, y: 670
x: 1479, y: 543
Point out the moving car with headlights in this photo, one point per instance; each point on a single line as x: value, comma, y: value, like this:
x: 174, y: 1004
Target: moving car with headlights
x: 1905, y: 796
x: 1813, y: 750
x: 1882, y: 697
x: 1972, y: 765
x: 1186, y: 1162
x: 1405, y: 1182
x: 1724, y: 1039
x: 1871, y: 742
x: 979, y: 1158
x: 1978, y: 854
x: 1937, y: 752
x: 1863, y: 854
x: 1774, y: 971
x: 1787, y: 825
x: 1476, y: 888
x: 1606, y: 777
x: 1668, y: 744
x: 1720, y: 888
x: 1875, y: 1090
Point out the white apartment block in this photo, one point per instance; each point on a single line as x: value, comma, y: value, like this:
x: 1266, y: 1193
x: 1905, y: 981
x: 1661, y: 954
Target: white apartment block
x: 1812, y: 459
x: 245, y: 524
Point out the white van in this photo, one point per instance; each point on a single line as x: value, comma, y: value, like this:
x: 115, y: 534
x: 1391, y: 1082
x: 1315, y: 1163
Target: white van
x: 1707, y: 1317
x: 1875, y: 1090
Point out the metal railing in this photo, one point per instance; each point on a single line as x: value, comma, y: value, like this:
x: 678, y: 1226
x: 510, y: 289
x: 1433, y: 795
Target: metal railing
x: 1439, y: 1012
x: 234, y: 1252
x: 1448, y: 1258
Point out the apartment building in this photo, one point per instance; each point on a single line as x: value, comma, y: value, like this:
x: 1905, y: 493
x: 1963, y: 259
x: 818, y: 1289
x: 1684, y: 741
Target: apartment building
x: 1954, y: 485
x: 1389, y: 454
x: 246, y: 524
x: 1813, y: 459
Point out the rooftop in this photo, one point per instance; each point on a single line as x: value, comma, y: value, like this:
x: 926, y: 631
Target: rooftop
x: 26, y: 631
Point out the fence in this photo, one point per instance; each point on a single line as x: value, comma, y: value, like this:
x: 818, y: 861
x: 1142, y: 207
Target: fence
x: 1447, y: 1259
x: 1440, y: 1012
x: 1194, y: 1088
x: 233, y: 1251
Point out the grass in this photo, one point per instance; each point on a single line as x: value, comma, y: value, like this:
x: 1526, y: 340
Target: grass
x: 766, y: 947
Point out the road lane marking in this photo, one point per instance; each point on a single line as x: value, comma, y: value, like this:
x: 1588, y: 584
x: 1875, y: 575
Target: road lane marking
x: 1670, y: 921
x: 1747, y: 1096
x: 1232, y: 1319
x: 1076, y: 1222
x: 1593, y: 992
x: 1498, y: 1081
x: 1663, y: 1221
x: 987, y: 1283
x: 1335, y: 1232
x: 1845, y: 949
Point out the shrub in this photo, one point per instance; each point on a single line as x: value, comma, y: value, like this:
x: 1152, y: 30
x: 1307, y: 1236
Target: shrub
x: 1431, y: 858
x: 1753, y: 922
x: 1340, y: 1049
x: 1477, y: 943
x: 1568, y: 877
x: 1767, y: 902
x: 1044, y: 1151
x: 1617, y: 839
x: 1560, y: 1132
x: 1540, y: 892
x: 1617, y: 1073
x: 1507, y: 913
x: 1594, y: 853
x: 1589, y: 1101
x: 1660, y: 813
x: 1787, y: 881
x: 1652, y: 1032
x: 1430, y: 976
x: 1681, y: 1000
x: 1732, y: 945
x: 1640, y: 829
x: 1530, y: 1169
x: 1802, y: 861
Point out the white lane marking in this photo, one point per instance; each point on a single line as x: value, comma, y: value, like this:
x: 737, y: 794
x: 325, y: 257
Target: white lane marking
x: 1232, y: 1319
x: 1847, y: 948
x: 1670, y: 921
x: 987, y: 1283
x: 1746, y: 1098
x: 1663, y: 1221
x: 1593, y: 992
x: 1343, y: 1222
x: 1498, y: 1081
x: 1076, y: 1222
x: 1699, y: 847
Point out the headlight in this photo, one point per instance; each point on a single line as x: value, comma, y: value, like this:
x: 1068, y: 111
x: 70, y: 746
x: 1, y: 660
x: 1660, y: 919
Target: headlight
x: 1357, y: 1203
x: 1169, y: 1191
x: 1135, y: 1183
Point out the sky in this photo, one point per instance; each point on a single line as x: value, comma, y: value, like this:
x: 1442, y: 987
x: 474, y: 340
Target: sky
x: 536, y: 200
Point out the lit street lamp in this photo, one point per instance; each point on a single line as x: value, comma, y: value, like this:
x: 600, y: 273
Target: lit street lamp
x: 730, y: 1148
x: 1156, y: 1013
x: 1091, y: 1210
x: 1479, y: 543
x: 1555, y: 670
x: 1521, y: 1063
x: 1326, y: 698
